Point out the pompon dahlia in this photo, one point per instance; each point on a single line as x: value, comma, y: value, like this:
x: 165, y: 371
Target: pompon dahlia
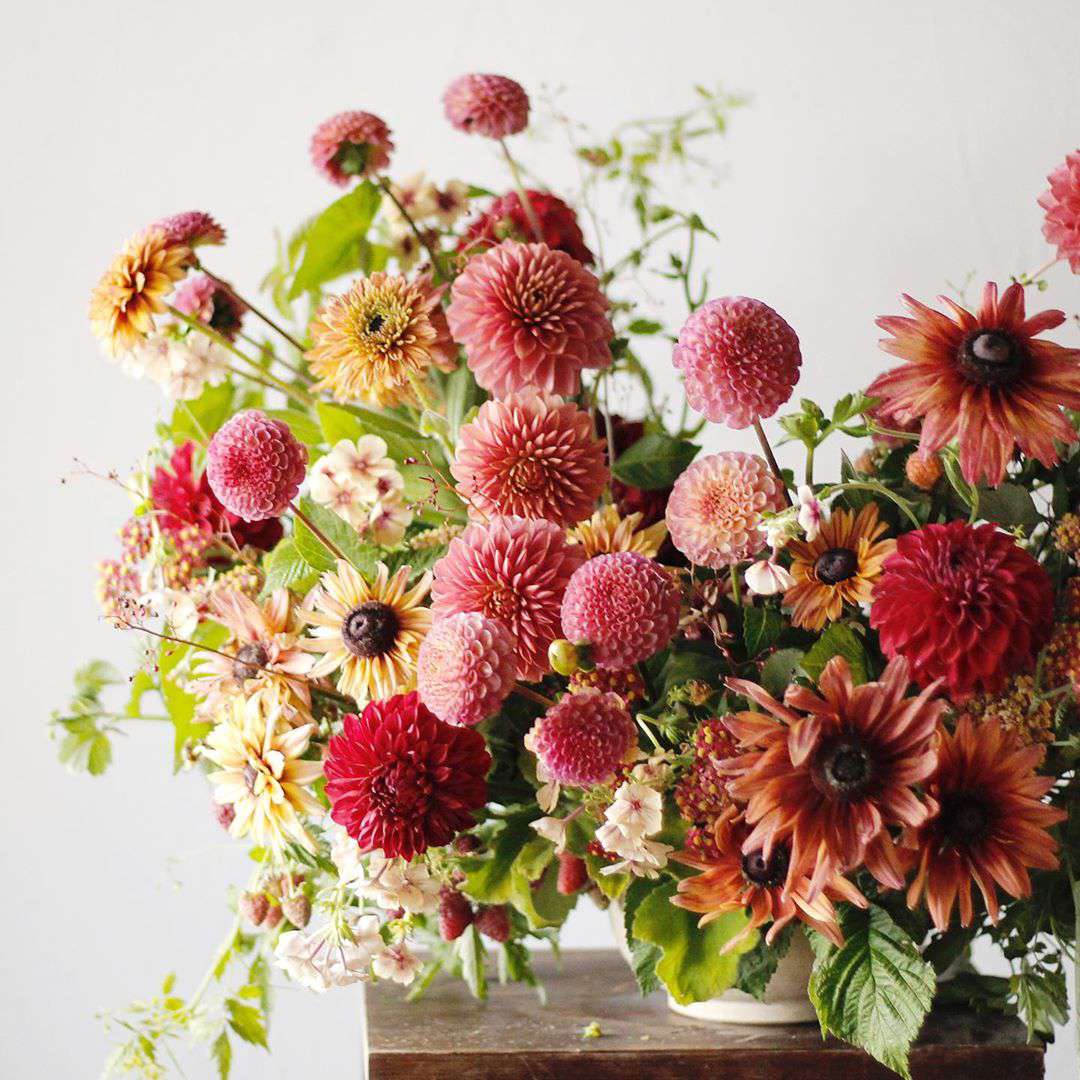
x: 513, y: 570
x: 371, y: 343
x: 715, y: 510
x: 626, y: 607
x: 255, y: 465
x: 530, y: 455
x: 490, y: 105
x: 212, y: 302
x: 964, y: 604
x: 583, y: 739
x: 1061, y: 226
x: 506, y: 219
x: 465, y: 668
x: 351, y: 144
x: 401, y: 780
x: 192, y: 228
x: 739, y: 359
x: 529, y: 316
x: 991, y: 825
x: 983, y: 379
x: 836, y: 771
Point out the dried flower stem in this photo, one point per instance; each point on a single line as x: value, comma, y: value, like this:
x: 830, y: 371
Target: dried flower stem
x: 519, y: 187
x: 532, y: 695
x: 770, y: 457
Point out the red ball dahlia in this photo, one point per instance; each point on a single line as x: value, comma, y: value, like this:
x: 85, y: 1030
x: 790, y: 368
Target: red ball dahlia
x: 1061, y: 227
x: 530, y: 455
x: 255, y: 465
x: 465, y: 668
x: 490, y: 105
x: 192, y: 228
x: 515, y: 571
x: 401, y: 780
x: 584, y: 738
x: 964, y: 604
x: 739, y: 359
x: 506, y: 219
x: 529, y: 316
x: 202, y: 297
x: 351, y: 144
x: 624, y: 605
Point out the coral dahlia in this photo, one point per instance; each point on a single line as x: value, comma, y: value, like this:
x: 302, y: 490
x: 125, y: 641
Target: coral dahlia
x: 192, y: 228
x: 529, y: 316
x: 964, y: 604
x: 490, y: 105
x: 506, y: 219
x: 1061, y: 226
x: 530, y: 455
x: 351, y: 144
x: 401, y: 780
x: 513, y: 570
x: 983, y: 379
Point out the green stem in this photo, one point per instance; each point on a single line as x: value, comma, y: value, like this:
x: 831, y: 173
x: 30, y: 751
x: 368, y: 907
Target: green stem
x: 436, y: 264
x: 644, y: 246
x: 260, y: 315
x: 736, y: 586
x: 519, y: 187
x: 809, y: 474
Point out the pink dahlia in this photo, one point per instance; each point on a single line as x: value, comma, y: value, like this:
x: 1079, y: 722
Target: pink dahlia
x: 466, y: 667
x: 506, y: 219
x: 490, y: 105
x: 584, y: 738
x: 351, y: 144
x: 255, y: 465
x: 739, y: 359
x: 515, y: 571
x: 212, y: 302
x: 533, y: 456
x: 192, y: 228
x: 964, y: 604
x: 401, y: 780
x: 1061, y: 226
x: 529, y: 316
x: 624, y: 605
x: 714, y: 514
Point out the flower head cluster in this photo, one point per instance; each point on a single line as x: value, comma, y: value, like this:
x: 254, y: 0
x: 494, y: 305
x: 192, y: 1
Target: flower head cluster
x: 331, y: 956
x: 182, y: 367
x: 351, y: 144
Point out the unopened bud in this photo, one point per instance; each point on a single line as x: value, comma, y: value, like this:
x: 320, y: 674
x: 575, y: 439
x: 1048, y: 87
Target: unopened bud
x: 565, y: 657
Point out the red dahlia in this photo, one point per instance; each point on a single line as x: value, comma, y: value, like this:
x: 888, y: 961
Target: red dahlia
x: 506, y: 219
x: 400, y: 780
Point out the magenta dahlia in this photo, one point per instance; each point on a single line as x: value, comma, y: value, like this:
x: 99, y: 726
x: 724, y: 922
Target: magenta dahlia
x: 622, y: 604
x: 210, y: 301
x: 400, y: 780
x: 490, y: 105
x: 515, y: 571
x: 1061, y: 226
x: 739, y: 359
x: 964, y: 604
x: 584, y: 738
x: 351, y: 144
x: 466, y: 667
x: 255, y: 465
x: 506, y: 219
x: 192, y: 229
x: 529, y: 316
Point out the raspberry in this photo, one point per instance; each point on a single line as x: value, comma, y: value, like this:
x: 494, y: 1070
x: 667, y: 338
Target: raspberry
x: 223, y: 814
x: 494, y: 922
x: 297, y: 909
x: 455, y: 914
x: 254, y: 907
x: 573, y: 875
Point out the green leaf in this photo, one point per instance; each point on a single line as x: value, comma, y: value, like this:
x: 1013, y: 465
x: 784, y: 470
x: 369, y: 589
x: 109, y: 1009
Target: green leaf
x: 542, y: 904
x: 645, y: 327
x: 1009, y: 504
x: 92, y: 677
x: 471, y: 952
x: 142, y: 682
x: 313, y: 551
x: 306, y: 429
x: 876, y: 990
x: 761, y: 628
x: 1042, y: 1000
x: 611, y: 885
x: 179, y: 704
x: 489, y: 877
x: 286, y: 568
x: 403, y: 440
x: 654, y: 461
x: 199, y: 419
x: 757, y: 967
x: 778, y: 671
x: 247, y: 1022
x: 221, y: 1053
x: 332, y: 245
x: 692, y: 968
x: 462, y: 396
x: 688, y: 663
x: 838, y: 640
x: 644, y: 955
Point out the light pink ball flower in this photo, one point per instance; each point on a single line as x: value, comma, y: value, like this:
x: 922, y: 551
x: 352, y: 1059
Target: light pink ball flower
x: 1061, y: 227
x: 490, y: 105
x: 192, y: 228
x: 584, y: 738
x: 351, y: 144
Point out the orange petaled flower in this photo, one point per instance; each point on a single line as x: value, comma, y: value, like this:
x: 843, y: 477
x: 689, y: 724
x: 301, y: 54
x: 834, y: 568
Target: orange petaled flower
x: 984, y: 379
x: 990, y: 826
x: 608, y: 531
x: 133, y: 289
x: 839, y: 566
x: 836, y: 771
x: 734, y: 879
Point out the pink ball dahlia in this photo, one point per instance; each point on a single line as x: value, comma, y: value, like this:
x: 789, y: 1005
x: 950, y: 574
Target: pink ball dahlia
x: 506, y: 219
x: 1061, y: 226
x: 255, y: 465
x: 203, y: 298
x: 964, y: 604
x: 401, y: 780
x: 533, y: 456
x: 584, y: 738
x: 466, y: 667
x: 490, y: 105
x: 515, y: 571
x: 622, y: 604
x: 714, y: 512
x: 351, y: 144
x: 739, y: 359
x: 192, y: 228
x: 529, y: 316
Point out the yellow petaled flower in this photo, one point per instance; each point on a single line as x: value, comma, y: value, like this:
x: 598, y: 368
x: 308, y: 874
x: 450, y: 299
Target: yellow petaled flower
x: 606, y: 532
x: 261, y: 772
x: 839, y: 566
x: 133, y: 290
x: 372, y: 632
x: 373, y: 342
x: 1020, y: 708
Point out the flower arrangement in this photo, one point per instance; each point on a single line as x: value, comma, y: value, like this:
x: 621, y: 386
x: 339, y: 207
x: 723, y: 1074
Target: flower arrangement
x: 456, y: 646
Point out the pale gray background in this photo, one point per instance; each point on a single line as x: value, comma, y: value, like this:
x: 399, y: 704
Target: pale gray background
x: 890, y: 147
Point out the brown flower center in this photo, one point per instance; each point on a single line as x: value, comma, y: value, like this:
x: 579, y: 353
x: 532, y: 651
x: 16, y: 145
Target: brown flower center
x: 370, y: 630
x: 249, y: 660
x: 766, y: 873
x: 990, y: 358
x: 843, y: 767
x: 836, y: 565
x: 965, y: 818
x: 375, y: 323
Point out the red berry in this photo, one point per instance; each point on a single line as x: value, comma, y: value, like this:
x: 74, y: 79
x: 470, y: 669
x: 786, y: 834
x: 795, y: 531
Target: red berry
x: 494, y: 922
x: 274, y: 915
x: 572, y: 874
x: 455, y: 914
x: 297, y: 909
x: 254, y: 907
x: 466, y: 843
x: 224, y: 814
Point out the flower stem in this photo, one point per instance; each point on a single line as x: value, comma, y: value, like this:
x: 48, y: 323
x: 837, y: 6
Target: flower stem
x: 436, y: 263
x: 809, y: 475
x: 532, y: 695
x: 519, y: 187
x: 1034, y: 275
x: 259, y: 315
x: 770, y: 457
x: 319, y: 534
x: 736, y: 587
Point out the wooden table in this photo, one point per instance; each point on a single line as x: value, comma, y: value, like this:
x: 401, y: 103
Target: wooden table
x: 448, y: 1035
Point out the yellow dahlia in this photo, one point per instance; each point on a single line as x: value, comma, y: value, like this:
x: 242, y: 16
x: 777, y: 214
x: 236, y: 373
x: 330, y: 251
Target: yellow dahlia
x: 371, y: 632
x: 606, y: 531
x: 371, y: 343
x: 133, y: 289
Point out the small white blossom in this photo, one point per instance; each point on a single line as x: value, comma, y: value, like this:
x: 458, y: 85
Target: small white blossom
x: 345, y: 855
x: 388, y: 522
x: 553, y: 829
x: 636, y: 809
x: 394, y: 883
x: 646, y: 859
x: 767, y: 578
x: 324, y: 958
x: 398, y: 963
x: 811, y: 512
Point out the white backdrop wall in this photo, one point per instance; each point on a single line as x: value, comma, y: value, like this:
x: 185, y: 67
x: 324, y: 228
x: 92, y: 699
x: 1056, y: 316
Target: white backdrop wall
x: 888, y: 147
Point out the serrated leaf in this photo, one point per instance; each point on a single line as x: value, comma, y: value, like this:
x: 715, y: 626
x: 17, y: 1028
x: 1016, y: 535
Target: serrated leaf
x: 838, y: 640
x: 761, y: 628
x: 611, y: 885
x: 332, y: 244
x: 363, y: 556
x: 757, y: 967
x: 247, y: 1022
x: 654, y: 461
x: 221, y: 1054
x: 403, y: 440
x: 542, y: 904
x: 285, y: 568
x: 489, y: 878
x: 93, y: 676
